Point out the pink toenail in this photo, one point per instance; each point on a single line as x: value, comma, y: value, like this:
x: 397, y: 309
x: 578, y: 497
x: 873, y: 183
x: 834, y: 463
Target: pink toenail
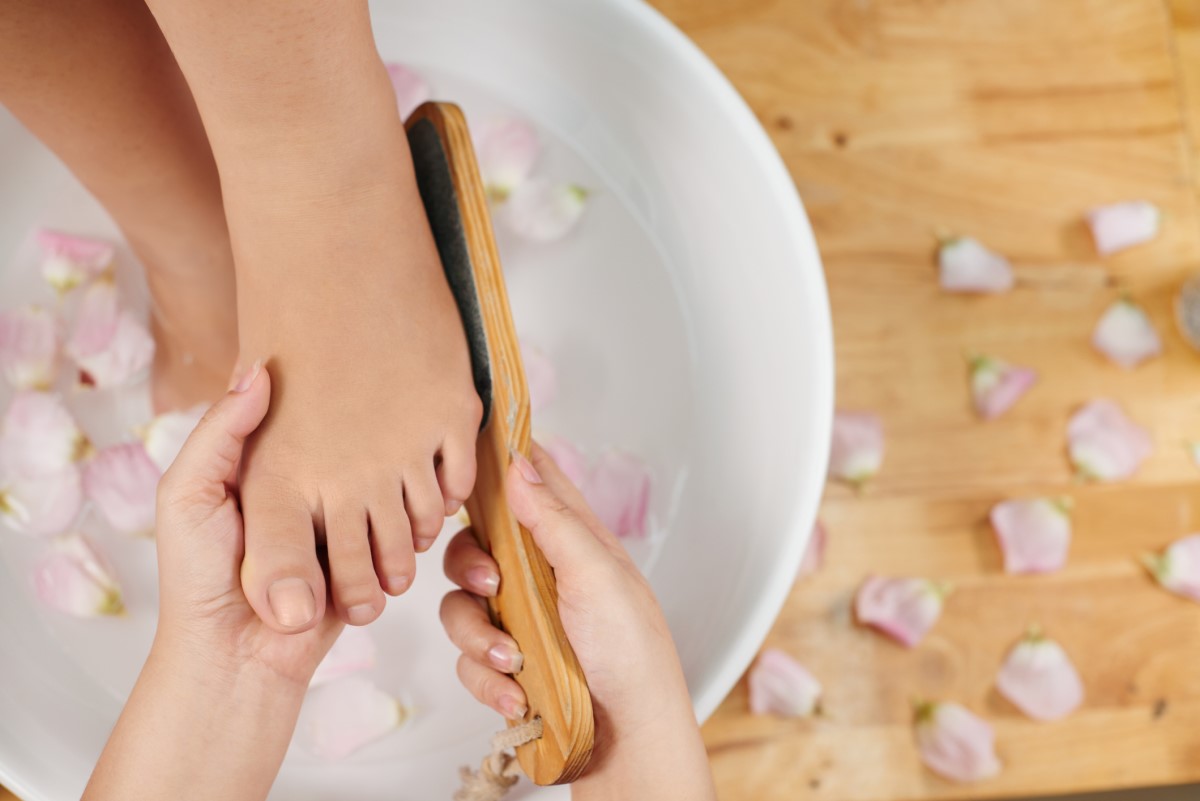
x: 361, y: 615
x: 398, y: 584
x: 423, y: 544
x: 292, y: 602
x: 452, y: 507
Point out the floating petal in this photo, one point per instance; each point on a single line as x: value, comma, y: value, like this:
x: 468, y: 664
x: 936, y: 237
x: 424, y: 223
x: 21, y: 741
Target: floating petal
x: 1104, y: 444
x: 109, y: 345
x: 352, y: 652
x: 779, y: 685
x: 76, y: 579
x: 618, y: 490
x: 68, y: 260
x: 165, y: 435
x: 121, y: 481
x: 28, y: 347
x: 905, y: 609
x: 38, y: 436
x: 411, y: 89
x: 41, y: 505
x: 814, y: 555
x: 955, y: 743
x: 1033, y: 533
x: 1039, y: 679
x: 341, y: 716
x: 967, y: 266
x: 542, y: 212
x: 1126, y: 335
x: 507, y: 148
x: 568, y: 458
x: 857, y: 450
x: 541, y: 377
x: 1122, y: 225
x: 1178, y: 567
x: 996, y: 385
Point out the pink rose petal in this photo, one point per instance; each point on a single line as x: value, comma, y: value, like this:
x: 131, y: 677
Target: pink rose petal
x: 41, y: 505
x: 1121, y: 225
x: 955, y: 743
x: 1033, y: 533
x: 996, y: 385
x: 568, y: 458
x: 121, y: 481
x: 109, y: 346
x: 165, y: 435
x: 905, y: 609
x: 779, y: 685
x: 618, y: 490
x: 857, y: 450
x: 1125, y: 335
x: 68, y: 261
x: 352, y: 652
x: 967, y: 266
x: 1104, y: 444
x: 38, y: 436
x: 814, y: 555
x: 541, y: 377
x: 1178, y: 567
x: 1039, y: 679
x: 411, y: 89
x: 543, y: 212
x: 76, y: 579
x: 341, y: 716
x: 28, y: 347
x: 507, y: 149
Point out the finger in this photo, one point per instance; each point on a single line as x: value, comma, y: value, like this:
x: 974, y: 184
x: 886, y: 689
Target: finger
x: 210, y: 456
x: 493, y: 688
x: 469, y: 566
x: 567, y: 542
x: 572, y: 496
x: 466, y: 621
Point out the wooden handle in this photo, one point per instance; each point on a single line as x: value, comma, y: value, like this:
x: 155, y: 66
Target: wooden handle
x: 527, y: 604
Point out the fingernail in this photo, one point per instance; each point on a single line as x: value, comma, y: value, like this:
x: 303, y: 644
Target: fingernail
x: 423, y: 544
x: 505, y: 657
x: 361, y: 614
x: 292, y: 602
x: 525, y: 467
x: 249, y: 377
x: 484, y: 581
x: 452, y: 507
x: 511, y: 708
x: 396, y: 585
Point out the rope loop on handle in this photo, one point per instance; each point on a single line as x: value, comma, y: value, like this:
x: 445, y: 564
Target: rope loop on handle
x: 500, y: 769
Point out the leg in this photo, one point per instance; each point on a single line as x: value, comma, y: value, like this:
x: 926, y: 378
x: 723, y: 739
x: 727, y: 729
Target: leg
x: 96, y: 82
x: 371, y: 434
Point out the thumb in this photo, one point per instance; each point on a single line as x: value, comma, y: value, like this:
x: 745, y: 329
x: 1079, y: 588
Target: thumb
x: 565, y: 539
x: 210, y: 457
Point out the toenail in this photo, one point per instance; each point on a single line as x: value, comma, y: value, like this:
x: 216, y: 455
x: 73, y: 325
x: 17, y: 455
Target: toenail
x: 361, y: 615
x: 398, y: 584
x: 511, y: 708
x: 505, y: 657
x: 292, y: 602
x: 483, y: 580
x: 452, y: 507
x: 423, y: 544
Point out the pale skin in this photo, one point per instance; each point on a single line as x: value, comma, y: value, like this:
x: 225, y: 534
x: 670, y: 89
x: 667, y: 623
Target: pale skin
x: 254, y: 157
x: 214, y: 708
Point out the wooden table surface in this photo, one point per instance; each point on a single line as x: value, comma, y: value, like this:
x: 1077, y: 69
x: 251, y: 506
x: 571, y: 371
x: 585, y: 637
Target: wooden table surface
x: 1003, y: 119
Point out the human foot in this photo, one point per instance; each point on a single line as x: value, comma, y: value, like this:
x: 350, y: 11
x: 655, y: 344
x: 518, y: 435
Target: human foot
x: 370, y: 440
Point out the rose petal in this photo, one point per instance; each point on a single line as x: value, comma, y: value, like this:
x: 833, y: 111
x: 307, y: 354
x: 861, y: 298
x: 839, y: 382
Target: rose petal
x: 996, y: 385
x: 1104, y: 444
x: 1039, y: 679
x: 1034, y: 533
x: 542, y: 212
x: 352, y: 652
x: 411, y: 89
x: 568, y: 458
x: 955, y: 743
x: 1121, y: 225
x: 76, y: 578
x: 779, y: 685
x: 122, y: 481
x: 165, y: 435
x: 109, y: 346
x: 857, y: 450
x: 905, y: 609
x: 38, y: 436
x: 618, y: 490
x: 341, y: 716
x: 814, y: 555
x: 28, y: 347
x: 967, y: 266
x: 541, y: 377
x: 507, y: 149
x: 43, y: 504
x: 1178, y: 567
x: 68, y: 260
x: 1125, y: 335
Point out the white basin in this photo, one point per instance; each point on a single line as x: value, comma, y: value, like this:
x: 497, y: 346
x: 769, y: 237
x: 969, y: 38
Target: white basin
x: 689, y: 321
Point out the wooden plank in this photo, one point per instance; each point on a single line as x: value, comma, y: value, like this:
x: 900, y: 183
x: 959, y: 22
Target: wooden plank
x: 901, y: 119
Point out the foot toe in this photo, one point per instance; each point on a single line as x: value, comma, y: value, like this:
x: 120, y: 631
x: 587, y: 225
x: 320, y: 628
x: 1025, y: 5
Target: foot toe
x: 456, y: 471
x: 354, y: 583
x: 392, y: 541
x: 426, y: 509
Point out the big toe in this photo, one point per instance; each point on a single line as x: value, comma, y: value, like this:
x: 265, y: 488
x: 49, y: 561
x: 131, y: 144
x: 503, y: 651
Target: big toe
x: 281, y: 575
